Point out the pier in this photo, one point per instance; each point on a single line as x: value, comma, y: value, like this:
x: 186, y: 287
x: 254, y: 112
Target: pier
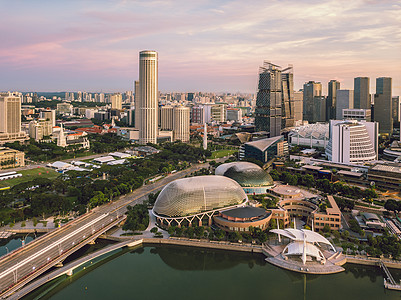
x: 389, y: 283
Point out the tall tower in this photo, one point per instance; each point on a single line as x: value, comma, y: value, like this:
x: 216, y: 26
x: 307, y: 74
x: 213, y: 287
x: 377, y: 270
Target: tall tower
x: 137, y: 98
x: 117, y: 101
x: 148, y: 91
x: 383, y: 105
x: 287, y: 104
x: 268, y: 100
x: 331, y: 101
x: 10, y: 113
x: 10, y: 118
x: 181, y: 124
x: 361, y: 93
x: 312, y: 89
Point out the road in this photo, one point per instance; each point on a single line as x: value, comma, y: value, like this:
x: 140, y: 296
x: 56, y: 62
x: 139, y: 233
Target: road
x: 27, y: 260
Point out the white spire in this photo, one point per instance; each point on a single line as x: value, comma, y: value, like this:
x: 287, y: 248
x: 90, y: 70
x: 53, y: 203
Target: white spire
x: 62, y: 140
x: 205, y: 137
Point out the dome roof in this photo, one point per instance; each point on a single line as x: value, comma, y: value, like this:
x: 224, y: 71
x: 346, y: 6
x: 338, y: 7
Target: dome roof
x: 245, y: 173
x: 189, y: 196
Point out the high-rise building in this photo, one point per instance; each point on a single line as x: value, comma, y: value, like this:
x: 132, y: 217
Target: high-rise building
x: 48, y: 115
x: 181, y: 124
x: 268, y: 100
x: 148, y: 91
x: 287, y: 96
x: 10, y: 118
x: 166, y: 118
x: 116, y: 101
x: 219, y: 112
x: 333, y: 86
x: 352, y: 141
x: 383, y: 105
x: 298, y: 107
x: 234, y: 114
x: 311, y: 89
x: 345, y: 100
x: 137, y: 99
x: 319, y: 109
x: 396, y: 108
x: 362, y: 93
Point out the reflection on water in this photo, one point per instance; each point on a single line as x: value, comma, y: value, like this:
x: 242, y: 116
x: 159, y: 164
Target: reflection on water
x: 169, y: 272
x: 10, y: 244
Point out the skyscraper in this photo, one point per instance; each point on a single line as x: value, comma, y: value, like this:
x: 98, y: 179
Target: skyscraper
x: 345, y: 100
x: 383, y: 113
x: 117, y: 101
x: 166, y: 118
x: 137, y: 99
x: 268, y: 100
x: 333, y: 85
x: 10, y: 118
x: 181, y: 124
x: 361, y: 93
x: 311, y: 89
x: 148, y: 91
x: 287, y: 95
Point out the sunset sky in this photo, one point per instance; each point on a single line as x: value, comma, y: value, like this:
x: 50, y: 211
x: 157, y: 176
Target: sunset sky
x: 203, y: 45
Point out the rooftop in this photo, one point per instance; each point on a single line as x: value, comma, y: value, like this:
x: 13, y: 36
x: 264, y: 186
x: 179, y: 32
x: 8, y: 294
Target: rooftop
x: 245, y: 212
x: 263, y: 144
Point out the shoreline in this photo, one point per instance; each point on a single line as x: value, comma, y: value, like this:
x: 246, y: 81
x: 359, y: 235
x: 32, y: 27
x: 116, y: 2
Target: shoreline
x: 216, y: 245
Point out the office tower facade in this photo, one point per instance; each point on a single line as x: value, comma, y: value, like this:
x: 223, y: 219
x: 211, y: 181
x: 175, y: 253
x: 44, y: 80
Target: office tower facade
x: 181, y: 124
x: 319, y: 109
x: 287, y: 96
x: 333, y: 86
x: 166, y: 118
x: 268, y: 100
x: 298, y: 107
x: 234, y: 114
x: 396, y: 108
x: 137, y: 99
x: 116, y: 101
x: 383, y: 105
x: 219, y: 112
x: 10, y: 118
x: 311, y: 89
x: 148, y: 91
x: 48, y: 115
x: 345, y: 100
x: 362, y: 93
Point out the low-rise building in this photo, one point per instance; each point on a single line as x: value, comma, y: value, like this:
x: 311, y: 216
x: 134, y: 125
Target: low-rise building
x: 11, y: 158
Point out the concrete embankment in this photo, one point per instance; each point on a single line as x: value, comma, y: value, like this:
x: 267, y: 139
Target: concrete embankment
x: 372, y: 261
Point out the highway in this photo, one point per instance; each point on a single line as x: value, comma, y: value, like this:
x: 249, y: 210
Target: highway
x: 28, y: 262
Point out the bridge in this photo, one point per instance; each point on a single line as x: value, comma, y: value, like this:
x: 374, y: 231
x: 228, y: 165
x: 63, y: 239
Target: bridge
x: 27, y: 263
x: 68, y: 269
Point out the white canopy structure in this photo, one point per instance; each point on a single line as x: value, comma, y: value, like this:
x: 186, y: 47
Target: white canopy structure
x: 304, y: 243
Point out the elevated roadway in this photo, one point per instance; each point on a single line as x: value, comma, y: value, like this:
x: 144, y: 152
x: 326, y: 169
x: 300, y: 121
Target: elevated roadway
x: 26, y: 263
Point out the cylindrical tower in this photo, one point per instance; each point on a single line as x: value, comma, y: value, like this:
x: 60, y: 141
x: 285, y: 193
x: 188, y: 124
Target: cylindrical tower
x: 148, y: 92
x: 181, y: 124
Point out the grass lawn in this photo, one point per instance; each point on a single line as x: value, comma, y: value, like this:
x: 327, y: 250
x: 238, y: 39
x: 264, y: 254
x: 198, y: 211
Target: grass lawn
x: 28, y: 175
x: 222, y: 153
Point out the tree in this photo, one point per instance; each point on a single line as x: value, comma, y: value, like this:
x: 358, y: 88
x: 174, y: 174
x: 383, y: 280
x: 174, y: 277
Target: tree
x: 137, y: 218
x: 392, y: 205
x: 154, y: 230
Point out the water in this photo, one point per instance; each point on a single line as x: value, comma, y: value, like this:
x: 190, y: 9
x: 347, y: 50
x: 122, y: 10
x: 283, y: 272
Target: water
x: 14, y: 243
x: 188, y: 273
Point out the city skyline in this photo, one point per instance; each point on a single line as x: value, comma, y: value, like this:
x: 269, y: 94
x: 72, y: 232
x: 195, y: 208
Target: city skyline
x: 202, y: 46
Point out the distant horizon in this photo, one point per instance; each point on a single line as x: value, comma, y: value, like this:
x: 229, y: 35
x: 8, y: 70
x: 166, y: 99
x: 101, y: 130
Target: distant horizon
x: 203, y: 46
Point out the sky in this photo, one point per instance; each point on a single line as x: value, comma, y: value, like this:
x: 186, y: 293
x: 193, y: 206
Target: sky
x: 216, y: 46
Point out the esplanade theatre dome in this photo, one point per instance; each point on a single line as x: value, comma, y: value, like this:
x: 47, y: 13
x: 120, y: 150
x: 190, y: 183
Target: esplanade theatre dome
x: 195, y: 195
x: 245, y: 173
